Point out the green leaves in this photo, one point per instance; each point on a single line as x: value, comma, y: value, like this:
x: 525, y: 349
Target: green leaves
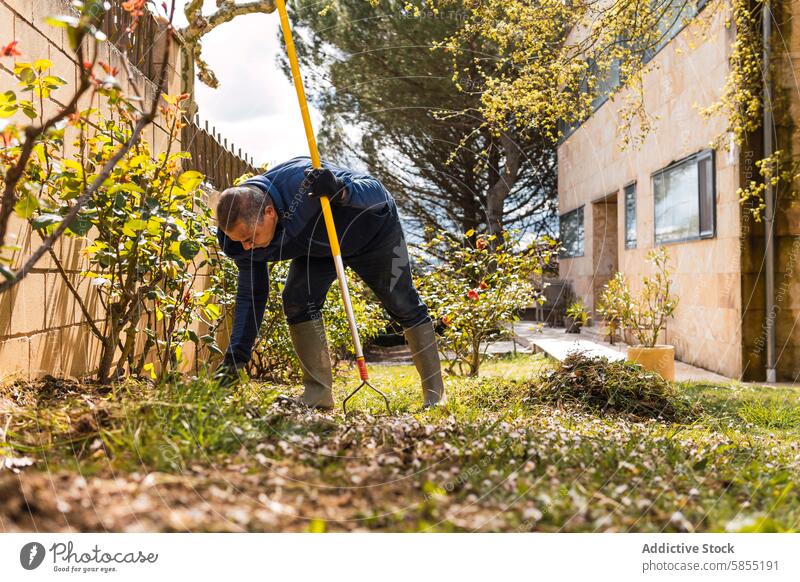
x: 190, y: 180
x: 62, y: 21
x: 81, y: 225
x: 24, y: 72
x: 189, y: 249
x: 32, y: 77
x: 134, y: 226
x: 148, y: 227
x: 8, y: 104
x: 46, y: 221
x: 42, y: 65
x: 26, y: 205
x: 6, y: 272
x: 92, y: 15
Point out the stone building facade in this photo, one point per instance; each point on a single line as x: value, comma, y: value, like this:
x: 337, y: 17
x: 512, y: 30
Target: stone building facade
x: 679, y: 190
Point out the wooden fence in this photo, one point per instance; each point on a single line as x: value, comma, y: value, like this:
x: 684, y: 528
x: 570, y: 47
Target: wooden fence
x: 210, y: 152
x: 212, y: 156
x: 140, y: 44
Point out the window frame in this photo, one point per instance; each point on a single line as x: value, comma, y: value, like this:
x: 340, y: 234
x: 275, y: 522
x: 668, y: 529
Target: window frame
x: 696, y: 158
x: 580, y: 209
x: 626, y: 243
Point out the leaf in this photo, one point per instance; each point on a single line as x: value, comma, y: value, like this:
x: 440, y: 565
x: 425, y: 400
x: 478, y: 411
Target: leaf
x: 125, y: 187
x: 53, y: 82
x: 41, y: 65
x: 80, y: 226
x: 26, y: 205
x: 190, y: 180
x: 133, y: 226
x: 7, y: 273
x: 213, y: 311
x: 151, y: 369
x: 62, y: 21
x: 24, y: 72
x: 8, y: 104
x: 28, y: 109
x: 44, y: 221
x: 189, y: 249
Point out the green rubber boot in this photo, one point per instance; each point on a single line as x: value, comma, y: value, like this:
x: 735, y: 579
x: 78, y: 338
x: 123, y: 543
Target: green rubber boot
x: 422, y: 342
x: 311, y: 347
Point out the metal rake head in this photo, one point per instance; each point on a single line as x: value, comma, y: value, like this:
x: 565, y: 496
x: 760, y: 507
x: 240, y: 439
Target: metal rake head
x: 371, y: 387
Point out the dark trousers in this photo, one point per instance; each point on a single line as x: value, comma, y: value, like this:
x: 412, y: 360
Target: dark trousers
x: 384, y: 266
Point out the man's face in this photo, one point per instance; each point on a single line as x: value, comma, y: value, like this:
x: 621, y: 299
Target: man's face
x: 256, y: 236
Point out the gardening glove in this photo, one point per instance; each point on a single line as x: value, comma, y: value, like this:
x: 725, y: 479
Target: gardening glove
x: 322, y: 182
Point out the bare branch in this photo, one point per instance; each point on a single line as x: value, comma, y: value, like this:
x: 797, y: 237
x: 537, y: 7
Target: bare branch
x: 200, y: 25
x: 228, y: 12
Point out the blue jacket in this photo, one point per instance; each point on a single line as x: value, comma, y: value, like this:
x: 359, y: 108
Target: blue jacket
x: 366, y: 210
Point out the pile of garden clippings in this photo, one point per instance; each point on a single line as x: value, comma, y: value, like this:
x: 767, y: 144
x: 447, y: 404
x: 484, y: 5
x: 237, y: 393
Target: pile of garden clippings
x: 613, y: 387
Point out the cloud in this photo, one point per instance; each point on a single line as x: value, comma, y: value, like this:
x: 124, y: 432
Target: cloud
x: 255, y: 106
x: 270, y: 139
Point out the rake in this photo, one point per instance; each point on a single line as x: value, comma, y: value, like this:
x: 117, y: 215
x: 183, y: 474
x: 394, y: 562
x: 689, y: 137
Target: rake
x: 326, y: 212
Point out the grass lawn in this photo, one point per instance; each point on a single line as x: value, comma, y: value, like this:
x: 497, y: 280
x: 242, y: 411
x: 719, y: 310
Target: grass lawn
x: 133, y: 457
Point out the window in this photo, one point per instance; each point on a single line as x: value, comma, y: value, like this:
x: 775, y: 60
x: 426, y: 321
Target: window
x: 685, y: 198
x: 673, y: 16
x: 604, y: 84
x: 571, y: 231
x: 630, y: 216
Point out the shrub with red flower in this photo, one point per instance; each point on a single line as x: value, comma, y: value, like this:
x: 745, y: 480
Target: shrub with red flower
x: 476, y: 288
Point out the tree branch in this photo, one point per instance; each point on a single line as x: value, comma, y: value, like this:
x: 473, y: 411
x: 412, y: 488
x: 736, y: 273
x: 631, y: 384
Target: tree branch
x: 200, y: 25
x: 33, y: 133
x: 143, y: 122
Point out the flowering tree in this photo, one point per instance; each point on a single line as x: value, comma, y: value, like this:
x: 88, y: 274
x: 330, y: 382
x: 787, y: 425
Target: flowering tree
x: 555, y: 59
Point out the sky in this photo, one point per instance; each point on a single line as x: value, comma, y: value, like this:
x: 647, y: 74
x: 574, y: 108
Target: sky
x: 255, y: 105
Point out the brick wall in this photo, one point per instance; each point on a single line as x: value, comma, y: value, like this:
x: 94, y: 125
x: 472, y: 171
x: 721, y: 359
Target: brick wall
x: 42, y: 328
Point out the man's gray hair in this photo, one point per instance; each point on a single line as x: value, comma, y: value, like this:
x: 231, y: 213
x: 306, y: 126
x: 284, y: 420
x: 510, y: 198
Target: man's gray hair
x: 245, y: 204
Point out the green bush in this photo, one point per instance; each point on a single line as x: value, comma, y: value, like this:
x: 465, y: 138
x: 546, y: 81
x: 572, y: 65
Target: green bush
x: 476, y: 285
x: 146, y: 226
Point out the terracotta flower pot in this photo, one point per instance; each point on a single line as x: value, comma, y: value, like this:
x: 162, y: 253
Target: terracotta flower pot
x: 660, y: 359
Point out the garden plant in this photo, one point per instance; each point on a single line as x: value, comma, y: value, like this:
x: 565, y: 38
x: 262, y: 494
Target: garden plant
x: 475, y: 285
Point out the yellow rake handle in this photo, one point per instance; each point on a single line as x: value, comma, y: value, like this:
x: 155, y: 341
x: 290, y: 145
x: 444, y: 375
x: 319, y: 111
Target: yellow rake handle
x: 324, y: 200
